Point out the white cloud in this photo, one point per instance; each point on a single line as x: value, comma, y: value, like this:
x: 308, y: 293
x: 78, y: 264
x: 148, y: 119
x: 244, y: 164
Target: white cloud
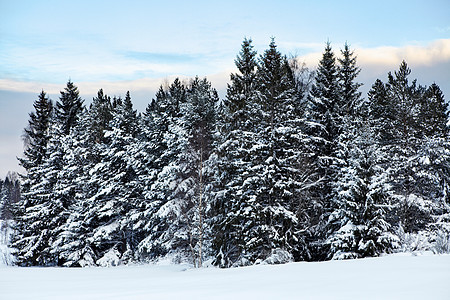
x: 373, y: 62
x: 434, y: 53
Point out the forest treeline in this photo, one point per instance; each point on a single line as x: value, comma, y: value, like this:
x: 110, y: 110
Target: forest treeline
x: 291, y: 165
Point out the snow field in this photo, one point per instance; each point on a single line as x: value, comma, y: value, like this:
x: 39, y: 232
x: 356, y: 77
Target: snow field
x: 390, y: 277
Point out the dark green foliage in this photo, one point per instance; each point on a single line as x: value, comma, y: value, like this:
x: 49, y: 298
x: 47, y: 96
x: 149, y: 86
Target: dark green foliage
x: 36, y: 133
x: 348, y: 71
x: 100, y: 113
x: 68, y: 107
x: 326, y: 97
x: 237, y: 118
x: 9, y: 195
x: 410, y: 122
x: 292, y: 165
x: 434, y: 113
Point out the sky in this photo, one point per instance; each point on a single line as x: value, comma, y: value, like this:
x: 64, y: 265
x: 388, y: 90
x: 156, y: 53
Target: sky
x: 139, y: 45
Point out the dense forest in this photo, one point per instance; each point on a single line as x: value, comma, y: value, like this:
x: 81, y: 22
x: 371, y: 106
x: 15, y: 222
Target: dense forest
x: 293, y: 164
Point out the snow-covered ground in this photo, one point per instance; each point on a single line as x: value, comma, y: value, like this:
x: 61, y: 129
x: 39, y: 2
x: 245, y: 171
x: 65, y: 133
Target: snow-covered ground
x: 390, y: 277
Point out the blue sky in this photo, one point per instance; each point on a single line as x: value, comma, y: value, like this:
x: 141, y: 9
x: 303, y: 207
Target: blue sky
x: 136, y: 45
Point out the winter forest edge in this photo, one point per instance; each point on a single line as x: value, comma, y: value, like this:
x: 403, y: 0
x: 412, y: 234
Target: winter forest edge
x: 292, y: 165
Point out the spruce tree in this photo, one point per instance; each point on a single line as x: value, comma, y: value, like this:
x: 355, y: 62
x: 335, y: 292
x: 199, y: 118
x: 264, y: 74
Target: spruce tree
x: 257, y: 201
x: 178, y: 220
x: 100, y: 113
x: 237, y: 120
x: 281, y: 148
x: 29, y: 240
x: 356, y: 226
x: 82, y: 179
x: 68, y: 107
x: 37, y: 133
x: 409, y: 119
x: 72, y: 244
x: 348, y: 72
x: 9, y: 195
x: 163, y: 137
x: 118, y: 189
x: 324, y: 127
x: 433, y: 116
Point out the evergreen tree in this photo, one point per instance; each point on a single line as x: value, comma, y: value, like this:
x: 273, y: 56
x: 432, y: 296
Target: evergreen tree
x: 408, y: 118
x: 29, y: 240
x: 9, y: 195
x: 100, y: 113
x: 72, y: 244
x: 325, y: 96
x: 324, y: 127
x: 117, y: 188
x: 433, y: 116
x: 280, y: 149
x: 49, y: 198
x: 237, y: 120
x: 37, y: 133
x: 348, y: 71
x: 76, y: 181
x: 179, y: 220
x: 42, y: 212
x: 68, y: 107
x: 162, y: 144
x: 356, y: 226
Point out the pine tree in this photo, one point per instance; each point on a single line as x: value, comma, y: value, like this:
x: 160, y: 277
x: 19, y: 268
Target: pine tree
x: 9, y: 195
x: 118, y: 189
x: 408, y: 118
x: 356, y: 226
x: 72, y: 244
x: 348, y: 71
x: 100, y: 115
x: 237, y: 119
x: 29, y: 240
x: 324, y: 127
x: 162, y: 144
x: 68, y: 107
x: 37, y: 133
x: 433, y: 116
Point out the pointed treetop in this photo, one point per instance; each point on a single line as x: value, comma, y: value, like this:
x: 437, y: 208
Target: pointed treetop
x: 348, y: 71
x: 326, y: 87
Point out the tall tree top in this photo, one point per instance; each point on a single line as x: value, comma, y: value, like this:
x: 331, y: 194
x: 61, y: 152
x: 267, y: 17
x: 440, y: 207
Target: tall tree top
x: 325, y: 91
x: 243, y: 84
x: 348, y: 71
x: 274, y: 73
x: 246, y: 59
x: 68, y: 107
x: 434, y: 112
x: 100, y: 113
x: 36, y: 134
